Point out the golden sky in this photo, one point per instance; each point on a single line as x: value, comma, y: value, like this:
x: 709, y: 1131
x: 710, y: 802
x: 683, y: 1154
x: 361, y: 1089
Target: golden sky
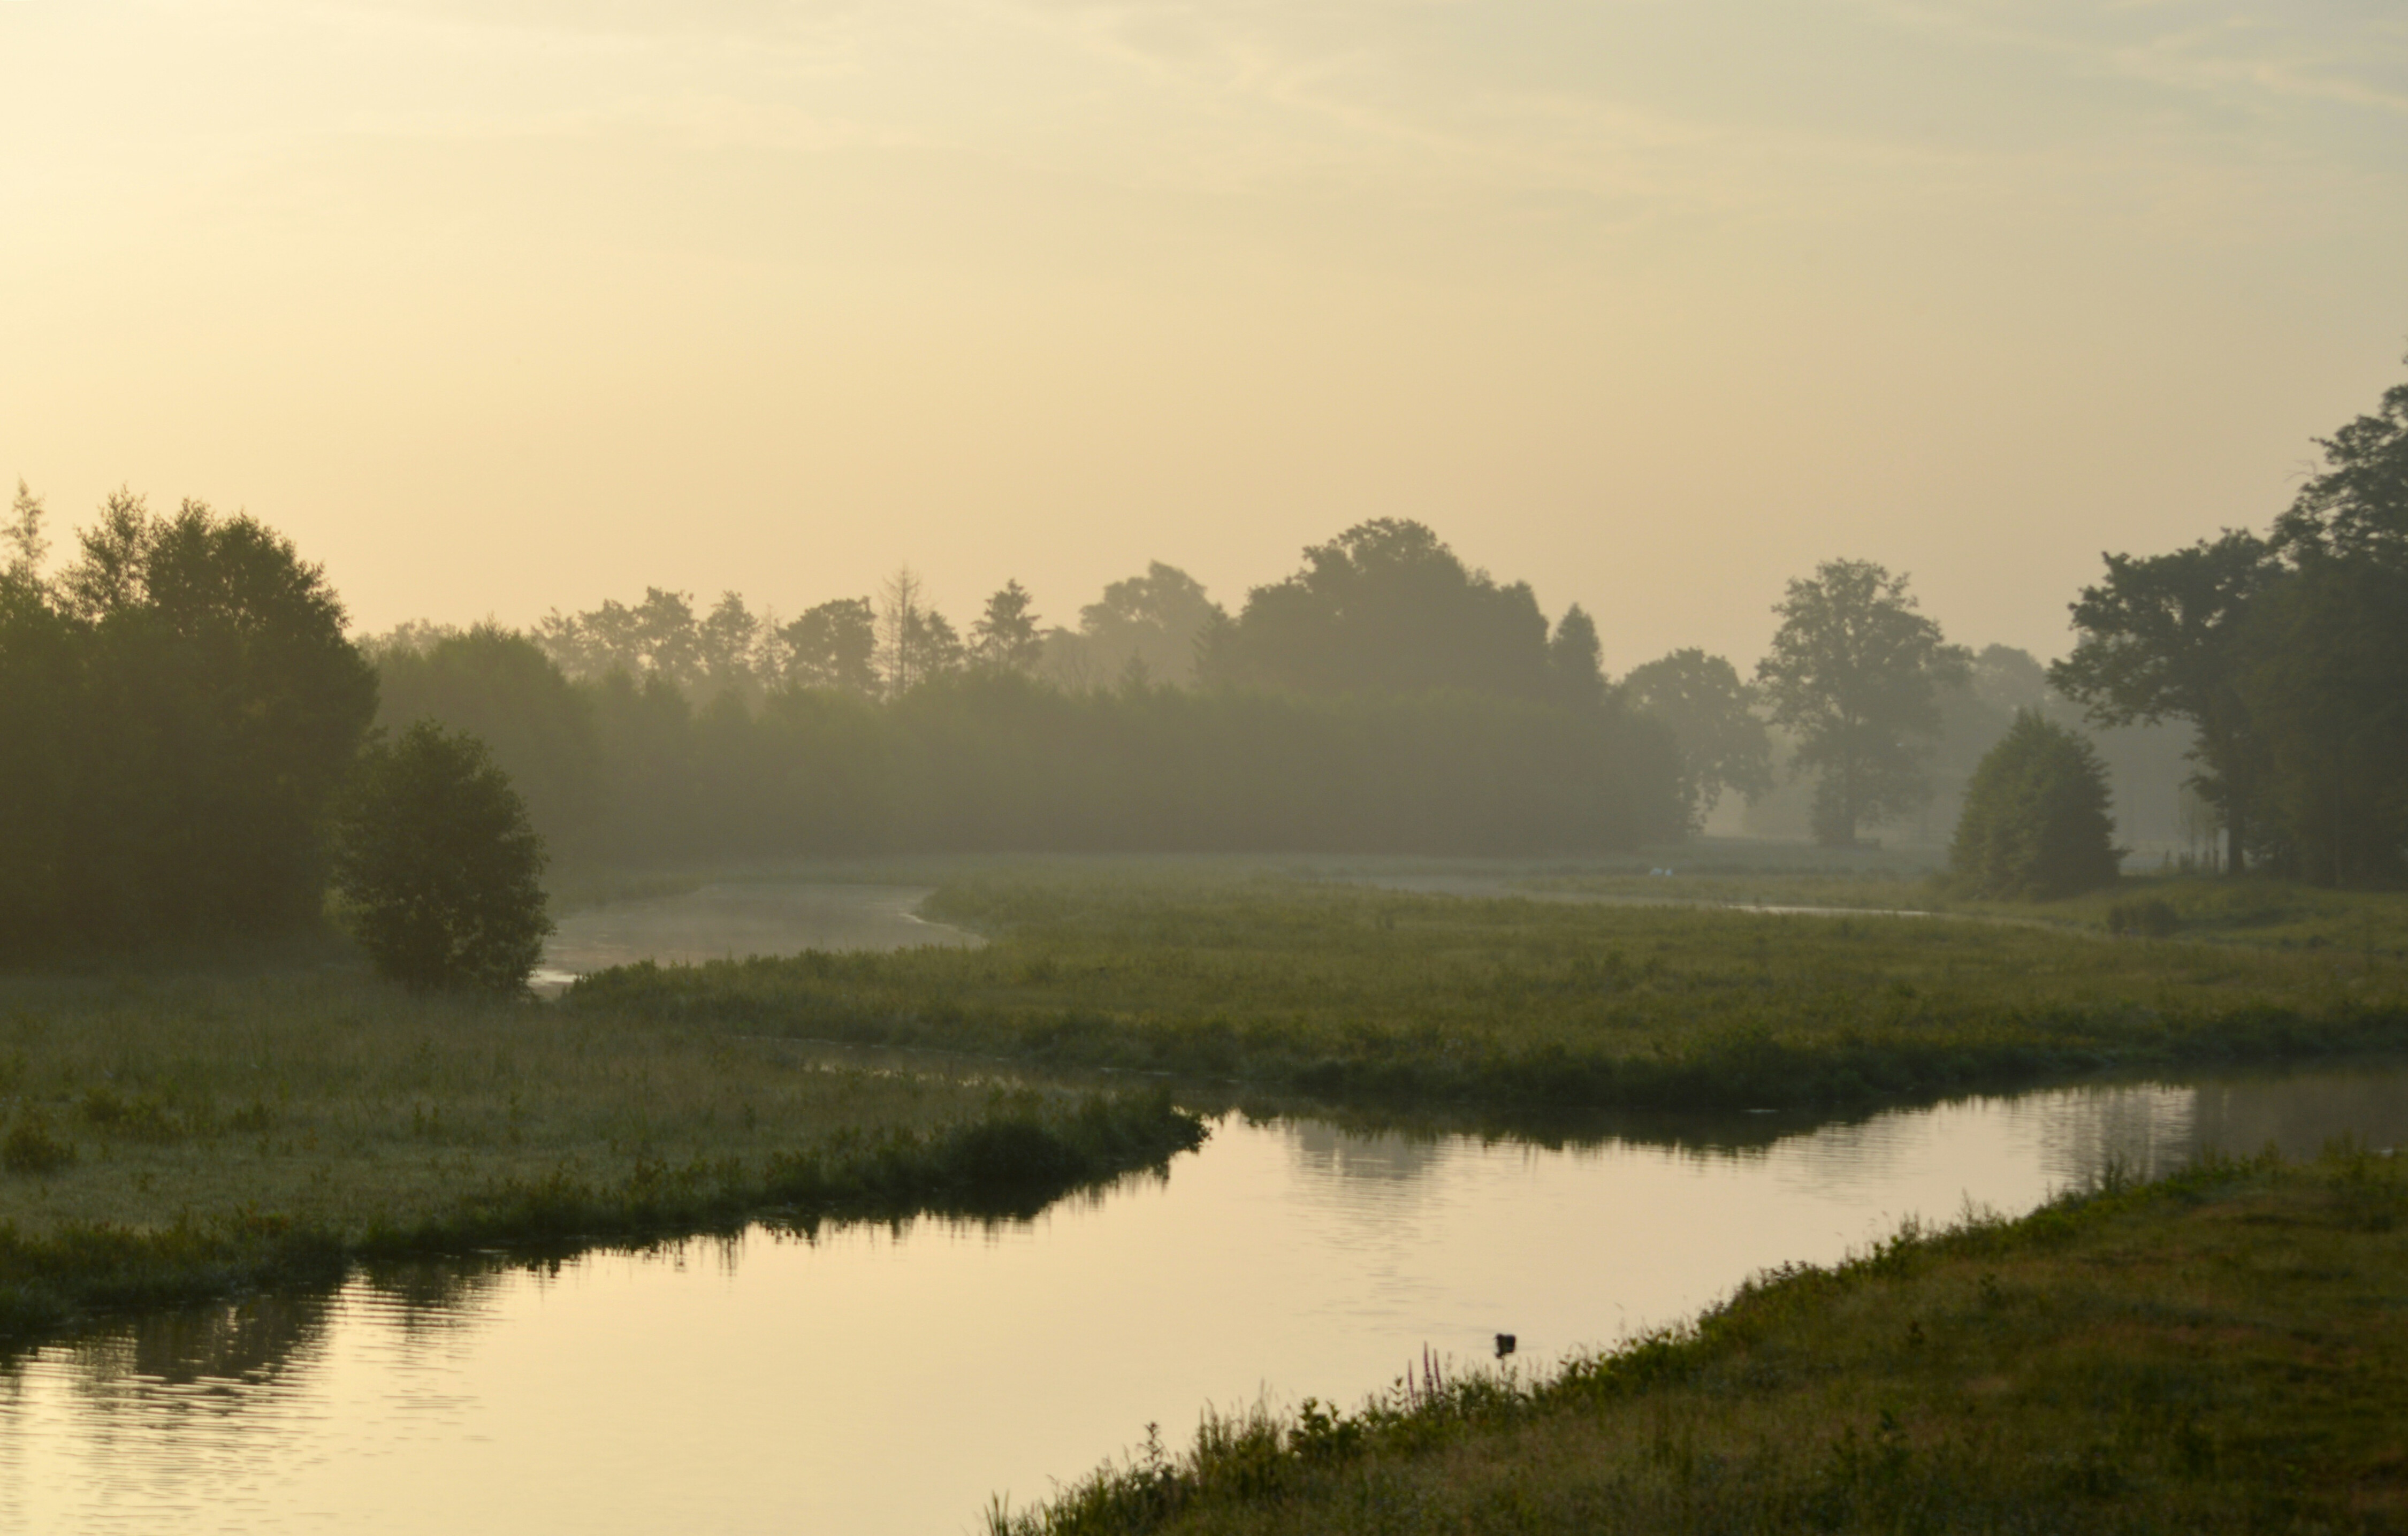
x: 502, y: 305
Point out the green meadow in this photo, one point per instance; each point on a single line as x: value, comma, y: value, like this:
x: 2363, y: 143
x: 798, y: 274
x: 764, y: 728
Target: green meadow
x: 1354, y: 994
x: 170, y: 1136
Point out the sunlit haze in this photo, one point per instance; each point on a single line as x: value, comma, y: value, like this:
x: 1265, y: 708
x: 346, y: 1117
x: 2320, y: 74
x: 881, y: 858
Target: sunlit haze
x: 505, y: 306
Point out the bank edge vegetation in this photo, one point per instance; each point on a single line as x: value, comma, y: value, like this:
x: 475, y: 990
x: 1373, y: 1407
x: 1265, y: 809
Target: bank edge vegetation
x: 2221, y: 1351
x: 176, y: 1138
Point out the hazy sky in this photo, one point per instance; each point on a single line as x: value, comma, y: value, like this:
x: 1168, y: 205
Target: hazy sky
x: 499, y: 305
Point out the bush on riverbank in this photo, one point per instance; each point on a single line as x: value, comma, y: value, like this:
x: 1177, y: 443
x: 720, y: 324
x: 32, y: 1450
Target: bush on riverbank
x: 2050, y: 1373
x: 1368, y: 995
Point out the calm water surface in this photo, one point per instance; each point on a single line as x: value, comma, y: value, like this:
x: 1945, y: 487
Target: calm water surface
x: 877, y: 1380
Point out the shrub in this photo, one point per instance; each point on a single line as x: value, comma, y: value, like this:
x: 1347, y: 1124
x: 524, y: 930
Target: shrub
x: 437, y: 865
x: 2035, y: 823
x: 30, y: 1148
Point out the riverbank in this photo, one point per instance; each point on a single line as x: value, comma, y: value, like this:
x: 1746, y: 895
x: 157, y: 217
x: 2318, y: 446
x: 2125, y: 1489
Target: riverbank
x: 166, y: 1137
x: 1373, y: 997
x: 2255, y: 911
x: 2223, y: 1350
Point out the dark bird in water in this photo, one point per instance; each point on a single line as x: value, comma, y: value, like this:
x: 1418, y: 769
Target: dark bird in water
x: 1504, y: 1345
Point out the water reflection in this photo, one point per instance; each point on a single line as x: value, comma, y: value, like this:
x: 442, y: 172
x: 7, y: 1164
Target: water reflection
x: 891, y: 1377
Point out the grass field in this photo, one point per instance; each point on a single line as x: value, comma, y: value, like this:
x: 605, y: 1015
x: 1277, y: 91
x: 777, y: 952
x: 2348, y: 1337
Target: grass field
x: 2227, y: 1351
x: 1354, y: 994
x: 166, y: 1135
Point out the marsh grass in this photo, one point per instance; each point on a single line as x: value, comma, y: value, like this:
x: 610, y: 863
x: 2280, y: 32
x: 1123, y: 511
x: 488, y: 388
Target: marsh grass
x: 1360, y: 994
x: 166, y: 1138
x: 2225, y: 1351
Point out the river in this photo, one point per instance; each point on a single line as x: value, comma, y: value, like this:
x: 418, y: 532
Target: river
x: 890, y: 1380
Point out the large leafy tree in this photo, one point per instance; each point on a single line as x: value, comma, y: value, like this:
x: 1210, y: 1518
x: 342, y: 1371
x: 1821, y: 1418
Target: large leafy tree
x: 2162, y: 637
x: 2324, y: 674
x: 221, y: 706
x: 2325, y: 683
x: 437, y: 865
x: 1386, y: 607
x: 1723, y: 745
x: 1151, y: 625
x: 833, y: 646
x: 1855, y: 671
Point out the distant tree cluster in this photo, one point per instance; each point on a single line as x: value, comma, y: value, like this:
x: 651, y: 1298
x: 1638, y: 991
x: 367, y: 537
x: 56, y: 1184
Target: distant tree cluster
x: 1386, y: 608
x: 2288, y: 655
x: 853, y: 645
x: 877, y: 725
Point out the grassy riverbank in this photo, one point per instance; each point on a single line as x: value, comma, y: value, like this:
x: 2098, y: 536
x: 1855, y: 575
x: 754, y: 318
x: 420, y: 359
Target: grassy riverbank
x: 169, y: 1137
x: 1371, y: 996
x: 2252, y: 911
x: 2223, y: 1351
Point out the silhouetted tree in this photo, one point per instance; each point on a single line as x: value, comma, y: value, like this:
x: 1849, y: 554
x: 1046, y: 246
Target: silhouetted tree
x: 1721, y: 744
x: 221, y: 706
x: 1005, y: 638
x: 437, y: 866
x: 1576, y: 661
x: 725, y: 641
x: 1159, y: 618
x: 1386, y: 608
x: 22, y: 537
x: 2162, y: 637
x: 2035, y: 825
x: 2356, y: 508
x: 834, y: 646
x: 915, y: 642
x: 1855, y: 672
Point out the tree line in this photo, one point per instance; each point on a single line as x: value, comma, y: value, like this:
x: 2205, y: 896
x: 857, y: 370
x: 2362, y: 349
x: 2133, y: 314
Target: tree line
x: 1386, y: 697
x: 181, y: 707
x: 180, y: 713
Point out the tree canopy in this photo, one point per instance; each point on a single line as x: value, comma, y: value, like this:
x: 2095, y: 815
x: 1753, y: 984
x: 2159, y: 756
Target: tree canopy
x: 437, y: 867
x: 1723, y: 746
x: 1855, y: 671
x: 220, y: 706
x: 1386, y: 607
x: 2035, y: 823
x: 2287, y: 656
